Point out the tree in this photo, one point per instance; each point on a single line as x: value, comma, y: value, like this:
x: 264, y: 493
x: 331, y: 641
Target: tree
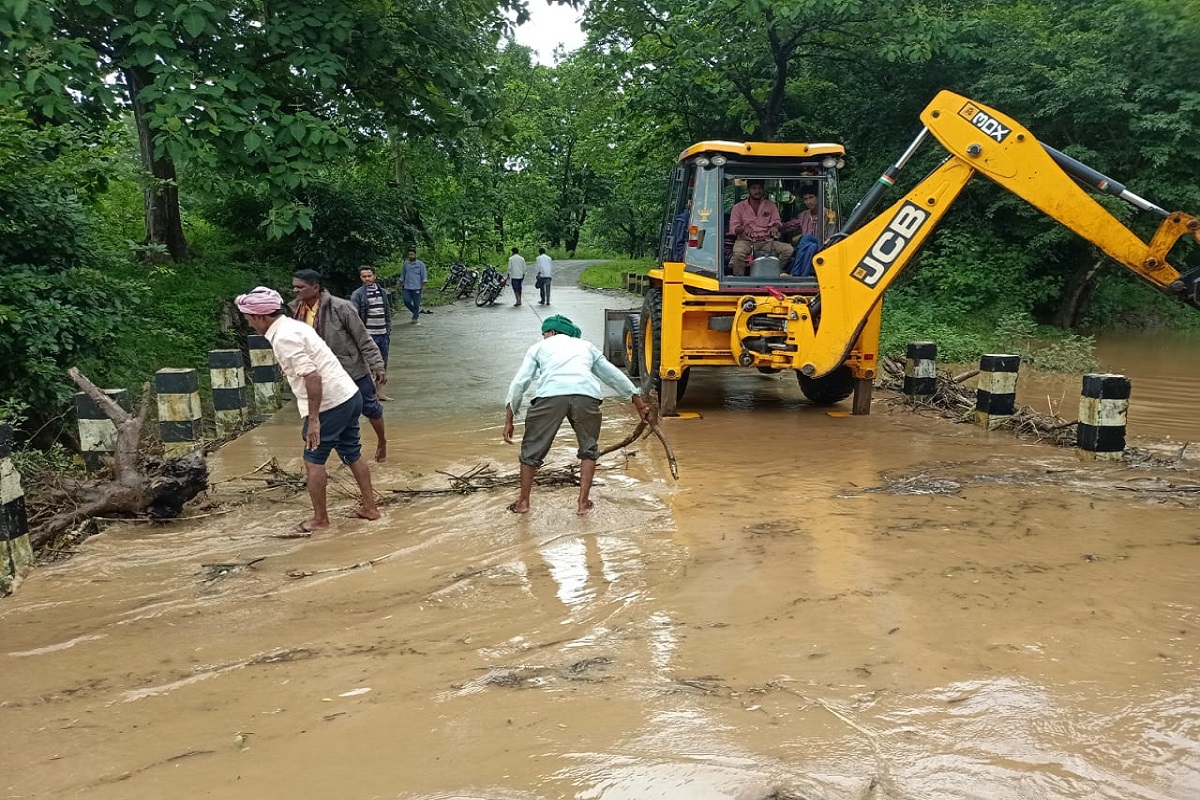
x: 57, y: 306
x: 727, y: 68
x: 254, y: 93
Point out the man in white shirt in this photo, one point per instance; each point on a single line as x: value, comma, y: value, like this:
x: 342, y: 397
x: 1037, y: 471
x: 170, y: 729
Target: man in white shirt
x: 544, y: 272
x: 570, y: 377
x: 516, y: 273
x: 320, y: 383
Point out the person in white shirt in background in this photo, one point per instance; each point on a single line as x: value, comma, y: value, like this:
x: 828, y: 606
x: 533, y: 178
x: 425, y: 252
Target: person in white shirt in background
x: 570, y: 376
x: 544, y: 272
x: 516, y: 273
x: 321, y: 384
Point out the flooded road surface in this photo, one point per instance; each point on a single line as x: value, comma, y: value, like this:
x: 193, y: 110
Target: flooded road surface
x: 822, y: 607
x: 1164, y: 370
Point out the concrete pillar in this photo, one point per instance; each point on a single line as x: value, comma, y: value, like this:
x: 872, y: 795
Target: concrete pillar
x: 178, y: 410
x: 228, y: 373
x: 1103, y: 412
x: 264, y: 374
x: 996, y: 393
x: 97, y: 433
x: 16, y: 554
x: 920, y: 370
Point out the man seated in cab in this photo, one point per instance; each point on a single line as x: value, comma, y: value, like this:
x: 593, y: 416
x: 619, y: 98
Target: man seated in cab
x: 756, y: 223
x: 808, y: 225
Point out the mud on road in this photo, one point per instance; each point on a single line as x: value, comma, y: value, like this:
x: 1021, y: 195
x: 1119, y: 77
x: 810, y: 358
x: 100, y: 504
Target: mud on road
x: 822, y: 607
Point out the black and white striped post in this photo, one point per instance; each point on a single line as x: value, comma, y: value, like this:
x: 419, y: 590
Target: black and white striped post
x: 228, y: 373
x: 264, y: 374
x: 1103, y: 412
x: 16, y: 554
x: 920, y: 370
x: 996, y: 392
x: 97, y: 433
x: 178, y: 410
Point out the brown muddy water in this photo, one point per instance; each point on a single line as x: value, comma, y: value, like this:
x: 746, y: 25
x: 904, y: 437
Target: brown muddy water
x: 822, y: 607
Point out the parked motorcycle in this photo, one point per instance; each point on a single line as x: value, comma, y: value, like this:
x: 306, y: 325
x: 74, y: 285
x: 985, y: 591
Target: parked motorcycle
x: 491, y: 283
x: 460, y: 280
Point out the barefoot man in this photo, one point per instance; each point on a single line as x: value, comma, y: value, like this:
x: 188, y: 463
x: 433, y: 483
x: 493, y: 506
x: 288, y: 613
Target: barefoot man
x: 571, y: 375
x: 336, y: 321
x: 320, y: 383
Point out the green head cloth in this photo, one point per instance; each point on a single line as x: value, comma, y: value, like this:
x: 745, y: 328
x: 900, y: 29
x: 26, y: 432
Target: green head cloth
x: 561, y: 324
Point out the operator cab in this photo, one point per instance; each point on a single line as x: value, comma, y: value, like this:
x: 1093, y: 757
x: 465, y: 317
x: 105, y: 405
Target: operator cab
x: 711, y: 177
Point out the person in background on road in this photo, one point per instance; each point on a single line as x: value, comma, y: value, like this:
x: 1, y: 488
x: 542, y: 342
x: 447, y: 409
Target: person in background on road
x: 516, y: 273
x: 413, y: 278
x: 328, y: 399
x: 337, y: 323
x: 544, y: 272
x: 375, y: 311
x: 570, y: 376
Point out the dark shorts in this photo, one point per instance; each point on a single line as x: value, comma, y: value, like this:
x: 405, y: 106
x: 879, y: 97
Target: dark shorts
x: 371, y: 407
x: 545, y: 417
x: 339, y: 431
x: 516, y: 284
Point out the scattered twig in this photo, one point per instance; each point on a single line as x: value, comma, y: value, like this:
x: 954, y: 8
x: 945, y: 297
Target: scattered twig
x: 957, y: 402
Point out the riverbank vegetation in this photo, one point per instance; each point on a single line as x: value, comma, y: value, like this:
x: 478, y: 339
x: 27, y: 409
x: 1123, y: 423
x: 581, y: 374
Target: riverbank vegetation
x: 156, y: 159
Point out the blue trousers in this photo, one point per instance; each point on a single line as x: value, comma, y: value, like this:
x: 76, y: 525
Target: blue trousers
x: 412, y: 301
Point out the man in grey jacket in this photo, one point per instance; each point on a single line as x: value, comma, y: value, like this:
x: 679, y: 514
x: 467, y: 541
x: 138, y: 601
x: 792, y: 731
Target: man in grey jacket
x: 336, y: 321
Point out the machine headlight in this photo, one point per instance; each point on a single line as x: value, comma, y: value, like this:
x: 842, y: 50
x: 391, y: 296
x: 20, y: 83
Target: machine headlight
x: 829, y: 162
x: 719, y: 161
x: 701, y: 162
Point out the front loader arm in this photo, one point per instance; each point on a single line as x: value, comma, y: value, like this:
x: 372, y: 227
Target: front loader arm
x: 854, y: 272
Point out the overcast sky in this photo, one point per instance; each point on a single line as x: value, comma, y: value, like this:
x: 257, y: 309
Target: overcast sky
x: 550, y: 25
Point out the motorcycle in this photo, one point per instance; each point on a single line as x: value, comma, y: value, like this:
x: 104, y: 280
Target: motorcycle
x: 491, y: 283
x: 460, y: 280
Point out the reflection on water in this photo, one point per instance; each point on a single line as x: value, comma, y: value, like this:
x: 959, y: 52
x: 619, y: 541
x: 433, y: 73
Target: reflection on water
x: 765, y: 627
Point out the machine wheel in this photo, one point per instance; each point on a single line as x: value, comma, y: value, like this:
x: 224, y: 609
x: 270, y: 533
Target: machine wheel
x: 651, y: 355
x: 614, y: 342
x: 484, y: 298
x: 633, y: 346
x: 828, y: 389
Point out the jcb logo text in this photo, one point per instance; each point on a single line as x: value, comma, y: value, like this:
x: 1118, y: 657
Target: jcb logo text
x: 890, y: 244
x: 984, y: 122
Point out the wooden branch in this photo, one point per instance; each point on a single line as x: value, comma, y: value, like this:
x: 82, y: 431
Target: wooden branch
x: 628, y: 440
x: 105, y: 403
x: 667, y: 448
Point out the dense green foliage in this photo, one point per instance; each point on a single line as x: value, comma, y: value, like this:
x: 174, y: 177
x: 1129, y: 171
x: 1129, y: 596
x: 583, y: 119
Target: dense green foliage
x: 58, y: 304
x: 157, y: 158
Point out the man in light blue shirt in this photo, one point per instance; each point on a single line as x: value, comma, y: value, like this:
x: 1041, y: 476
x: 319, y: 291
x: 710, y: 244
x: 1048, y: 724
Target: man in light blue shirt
x: 413, y: 278
x: 569, y: 376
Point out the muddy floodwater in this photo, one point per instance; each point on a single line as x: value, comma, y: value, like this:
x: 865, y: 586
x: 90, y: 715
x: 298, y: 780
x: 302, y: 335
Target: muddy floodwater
x: 890, y: 606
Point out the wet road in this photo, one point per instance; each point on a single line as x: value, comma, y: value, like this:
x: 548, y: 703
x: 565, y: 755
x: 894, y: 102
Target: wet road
x: 822, y: 607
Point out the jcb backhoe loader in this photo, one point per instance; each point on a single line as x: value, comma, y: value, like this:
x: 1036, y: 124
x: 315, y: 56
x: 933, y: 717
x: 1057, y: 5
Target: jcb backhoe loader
x: 700, y: 311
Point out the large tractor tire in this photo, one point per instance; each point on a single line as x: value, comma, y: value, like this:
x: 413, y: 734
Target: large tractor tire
x: 633, y: 346
x: 828, y: 389
x: 669, y: 392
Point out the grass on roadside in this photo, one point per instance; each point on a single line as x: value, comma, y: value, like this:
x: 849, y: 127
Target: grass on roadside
x: 608, y: 274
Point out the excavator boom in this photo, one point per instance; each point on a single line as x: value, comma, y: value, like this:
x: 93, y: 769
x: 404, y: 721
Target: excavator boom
x: 865, y: 257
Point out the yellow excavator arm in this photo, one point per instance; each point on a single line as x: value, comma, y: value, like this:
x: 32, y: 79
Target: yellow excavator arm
x: 863, y: 259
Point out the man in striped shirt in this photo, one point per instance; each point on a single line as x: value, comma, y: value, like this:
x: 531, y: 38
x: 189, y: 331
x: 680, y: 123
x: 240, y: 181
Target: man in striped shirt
x: 375, y: 310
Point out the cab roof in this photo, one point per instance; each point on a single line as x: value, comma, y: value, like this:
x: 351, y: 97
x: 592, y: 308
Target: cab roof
x: 765, y: 149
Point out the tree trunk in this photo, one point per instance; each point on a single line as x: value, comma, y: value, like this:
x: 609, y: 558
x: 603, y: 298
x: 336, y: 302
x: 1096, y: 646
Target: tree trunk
x: 1076, y: 295
x: 163, y: 223
x: 159, y: 488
